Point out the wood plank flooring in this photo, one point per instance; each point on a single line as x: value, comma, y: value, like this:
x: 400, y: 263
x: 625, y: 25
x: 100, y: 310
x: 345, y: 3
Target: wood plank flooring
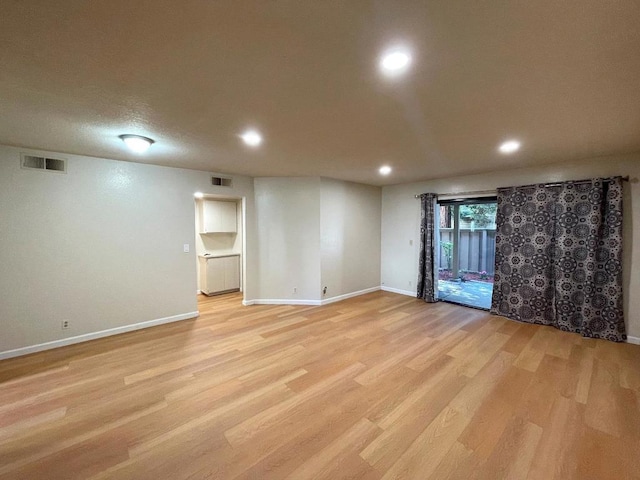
x: 380, y: 386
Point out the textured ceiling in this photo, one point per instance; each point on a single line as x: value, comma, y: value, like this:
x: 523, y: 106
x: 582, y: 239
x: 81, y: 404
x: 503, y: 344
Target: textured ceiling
x: 561, y: 76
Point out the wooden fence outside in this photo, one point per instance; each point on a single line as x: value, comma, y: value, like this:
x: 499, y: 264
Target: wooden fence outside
x: 477, y: 249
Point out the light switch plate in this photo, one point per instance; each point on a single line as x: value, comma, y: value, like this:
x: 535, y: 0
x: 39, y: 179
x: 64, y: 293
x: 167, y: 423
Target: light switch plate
x: 185, y: 248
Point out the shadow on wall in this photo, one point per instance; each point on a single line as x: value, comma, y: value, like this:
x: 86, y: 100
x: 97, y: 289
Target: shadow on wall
x: 627, y: 245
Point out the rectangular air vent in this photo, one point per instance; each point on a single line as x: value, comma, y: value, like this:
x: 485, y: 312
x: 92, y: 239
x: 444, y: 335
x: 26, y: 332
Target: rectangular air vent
x: 56, y: 164
x: 29, y: 161
x: 221, y: 181
x: 34, y: 162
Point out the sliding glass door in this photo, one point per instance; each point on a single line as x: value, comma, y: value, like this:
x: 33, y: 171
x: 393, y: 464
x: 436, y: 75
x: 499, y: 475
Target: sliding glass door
x: 467, y: 242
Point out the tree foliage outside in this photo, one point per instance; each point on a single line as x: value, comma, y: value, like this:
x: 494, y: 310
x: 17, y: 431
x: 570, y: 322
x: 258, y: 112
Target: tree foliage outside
x: 447, y: 247
x: 482, y: 214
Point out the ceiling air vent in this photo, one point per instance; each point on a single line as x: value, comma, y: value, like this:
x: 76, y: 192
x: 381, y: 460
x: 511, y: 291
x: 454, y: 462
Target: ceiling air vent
x: 33, y: 162
x: 221, y: 181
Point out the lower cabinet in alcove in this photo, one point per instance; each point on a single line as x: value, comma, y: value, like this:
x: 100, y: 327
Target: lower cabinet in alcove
x: 219, y: 274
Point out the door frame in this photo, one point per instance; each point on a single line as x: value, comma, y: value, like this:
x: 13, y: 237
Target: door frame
x: 242, y: 201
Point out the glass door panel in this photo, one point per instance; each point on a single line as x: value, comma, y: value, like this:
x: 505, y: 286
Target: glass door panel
x: 467, y: 241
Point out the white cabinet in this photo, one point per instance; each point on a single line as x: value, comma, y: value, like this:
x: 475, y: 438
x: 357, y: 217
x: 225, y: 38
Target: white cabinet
x: 232, y: 273
x: 218, y: 217
x: 219, y: 274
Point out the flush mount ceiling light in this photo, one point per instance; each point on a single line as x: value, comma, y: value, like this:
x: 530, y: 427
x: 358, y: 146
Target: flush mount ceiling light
x: 395, y: 61
x: 385, y: 170
x: 137, y: 143
x: 509, y: 146
x: 251, y: 138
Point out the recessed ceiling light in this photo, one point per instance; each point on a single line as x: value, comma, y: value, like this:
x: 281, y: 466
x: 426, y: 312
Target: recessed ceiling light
x: 137, y: 143
x: 395, y: 61
x: 251, y: 138
x: 198, y: 195
x: 385, y: 170
x: 509, y: 146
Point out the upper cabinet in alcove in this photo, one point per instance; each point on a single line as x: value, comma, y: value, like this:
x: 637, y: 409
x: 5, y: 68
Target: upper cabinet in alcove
x: 218, y: 217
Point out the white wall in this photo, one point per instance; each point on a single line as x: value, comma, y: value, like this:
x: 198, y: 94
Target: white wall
x: 100, y: 246
x: 315, y: 232
x: 350, y: 236
x: 401, y: 218
x: 288, y: 233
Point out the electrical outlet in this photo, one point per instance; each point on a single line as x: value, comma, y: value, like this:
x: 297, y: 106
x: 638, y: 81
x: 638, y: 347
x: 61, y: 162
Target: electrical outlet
x: 324, y: 291
x: 409, y: 282
x: 410, y: 243
x: 295, y: 290
x: 64, y: 324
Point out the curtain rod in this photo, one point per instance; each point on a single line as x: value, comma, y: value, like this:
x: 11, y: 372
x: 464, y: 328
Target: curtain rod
x: 484, y: 192
x: 557, y: 184
x: 474, y: 192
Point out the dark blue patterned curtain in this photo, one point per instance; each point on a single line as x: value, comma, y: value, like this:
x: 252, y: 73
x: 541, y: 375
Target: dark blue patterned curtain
x: 426, y: 270
x: 559, y: 256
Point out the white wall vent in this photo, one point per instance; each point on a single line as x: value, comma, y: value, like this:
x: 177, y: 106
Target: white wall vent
x: 34, y: 162
x: 221, y: 181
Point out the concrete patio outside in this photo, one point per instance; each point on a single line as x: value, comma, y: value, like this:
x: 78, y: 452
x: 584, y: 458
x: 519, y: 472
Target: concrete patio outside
x: 471, y: 293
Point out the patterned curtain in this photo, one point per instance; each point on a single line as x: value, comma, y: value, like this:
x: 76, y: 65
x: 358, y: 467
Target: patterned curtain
x: 426, y: 280
x: 559, y: 256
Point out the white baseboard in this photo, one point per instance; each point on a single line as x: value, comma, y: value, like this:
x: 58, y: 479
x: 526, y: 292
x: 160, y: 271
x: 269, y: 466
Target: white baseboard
x: 94, y: 335
x: 280, y: 301
x: 348, y: 295
x: 634, y: 340
x: 397, y: 290
x: 289, y: 301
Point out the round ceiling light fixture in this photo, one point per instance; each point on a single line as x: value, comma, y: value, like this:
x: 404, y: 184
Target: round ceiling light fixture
x: 385, y: 170
x: 510, y: 146
x: 252, y: 138
x: 395, y: 61
x: 137, y: 143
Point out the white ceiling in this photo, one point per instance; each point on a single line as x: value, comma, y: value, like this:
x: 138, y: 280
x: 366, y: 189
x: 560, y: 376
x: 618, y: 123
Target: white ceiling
x: 563, y: 76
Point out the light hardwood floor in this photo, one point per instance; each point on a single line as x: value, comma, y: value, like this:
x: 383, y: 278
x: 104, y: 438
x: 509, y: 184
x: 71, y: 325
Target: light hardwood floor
x: 379, y: 386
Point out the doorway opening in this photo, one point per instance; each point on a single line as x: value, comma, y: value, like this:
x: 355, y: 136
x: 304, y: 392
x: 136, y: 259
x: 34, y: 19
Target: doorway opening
x: 220, y: 245
x: 466, y: 245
